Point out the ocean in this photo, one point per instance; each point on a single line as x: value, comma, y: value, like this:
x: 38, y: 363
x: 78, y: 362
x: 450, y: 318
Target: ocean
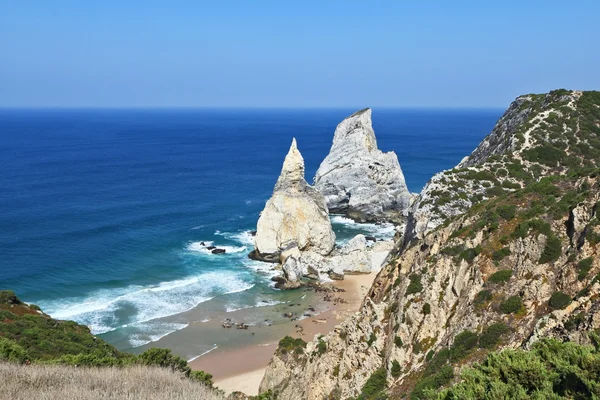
x: 104, y: 211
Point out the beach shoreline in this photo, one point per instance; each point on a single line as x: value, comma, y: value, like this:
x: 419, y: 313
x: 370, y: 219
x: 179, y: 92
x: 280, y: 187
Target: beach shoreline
x: 242, y: 368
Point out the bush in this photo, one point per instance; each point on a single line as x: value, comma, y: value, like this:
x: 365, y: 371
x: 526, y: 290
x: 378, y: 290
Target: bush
x: 415, y: 285
x: 288, y: 344
x: 372, y: 339
x: 426, y: 309
x: 498, y: 255
x: 491, y: 335
x: 506, y: 211
x: 463, y: 343
x: 321, y: 347
x: 398, y: 341
x: 431, y: 382
x: 552, y: 250
x: 511, y: 305
x: 550, y: 370
x: 202, y: 377
x: 396, y: 369
x: 483, y: 297
x: 501, y: 276
x: 164, y: 358
x: 375, y: 385
x: 559, y: 300
x: 12, y: 352
x: 584, y: 267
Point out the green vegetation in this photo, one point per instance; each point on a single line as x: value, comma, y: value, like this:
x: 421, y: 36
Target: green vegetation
x: 432, y: 382
x: 491, y: 335
x: 483, y: 297
x: 501, y: 276
x: 464, y: 342
x: 12, y: 352
x: 506, y: 211
x: 559, y: 300
x: 398, y: 341
x: 374, y: 388
x: 552, y: 250
x: 584, y: 267
x: 321, y: 347
x: 372, y: 339
x: 512, y: 305
x: 551, y: 370
x: 288, y: 344
x: 396, y: 369
x: 498, y: 255
x: 415, y: 285
x: 426, y: 309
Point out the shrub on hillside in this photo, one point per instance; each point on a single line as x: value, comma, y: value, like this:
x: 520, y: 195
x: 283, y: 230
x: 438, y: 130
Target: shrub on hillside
x: 415, y: 285
x: 550, y: 370
x: 491, y: 335
x: 559, y: 300
x: 12, y: 352
x: 164, y: 358
x: 512, y: 305
x: 552, y: 250
x: 501, y: 276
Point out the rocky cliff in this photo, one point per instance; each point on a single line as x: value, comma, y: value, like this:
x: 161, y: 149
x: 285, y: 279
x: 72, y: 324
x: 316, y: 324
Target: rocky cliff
x: 359, y: 180
x: 501, y: 251
x: 295, y: 216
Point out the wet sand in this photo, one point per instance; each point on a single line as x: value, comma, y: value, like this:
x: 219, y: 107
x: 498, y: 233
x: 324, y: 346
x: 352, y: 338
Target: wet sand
x: 242, y: 368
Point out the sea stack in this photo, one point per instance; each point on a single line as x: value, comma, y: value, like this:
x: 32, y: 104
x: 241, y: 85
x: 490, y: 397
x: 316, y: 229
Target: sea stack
x: 359, y: 180
x: 296, y: 215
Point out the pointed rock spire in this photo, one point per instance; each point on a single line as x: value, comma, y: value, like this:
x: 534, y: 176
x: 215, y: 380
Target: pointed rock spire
x: 295, y: 216
x: 292, y: 171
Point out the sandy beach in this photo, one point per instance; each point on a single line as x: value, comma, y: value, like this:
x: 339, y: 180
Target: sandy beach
x: 242, y: 368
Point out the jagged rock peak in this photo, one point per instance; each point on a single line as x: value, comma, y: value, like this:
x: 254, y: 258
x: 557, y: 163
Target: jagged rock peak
x: 295, y: 216
x: 359, y: 180
x: 292, y: 171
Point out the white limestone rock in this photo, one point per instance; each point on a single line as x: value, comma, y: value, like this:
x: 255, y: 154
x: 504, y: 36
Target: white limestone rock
x: 295, y: 216
x: 359, y: 180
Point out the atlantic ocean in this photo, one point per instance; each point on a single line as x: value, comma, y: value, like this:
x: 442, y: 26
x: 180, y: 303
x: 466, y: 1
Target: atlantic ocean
x: 103, y: 211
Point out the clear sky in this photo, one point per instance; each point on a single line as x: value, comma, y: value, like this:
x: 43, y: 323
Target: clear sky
x: 110, y: 53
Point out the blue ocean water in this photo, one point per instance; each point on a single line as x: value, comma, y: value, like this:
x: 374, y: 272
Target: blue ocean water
x: 103, y: 211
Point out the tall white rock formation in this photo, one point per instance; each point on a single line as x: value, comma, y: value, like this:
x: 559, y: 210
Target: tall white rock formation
x: 295, y: 216
x: 359, y: 180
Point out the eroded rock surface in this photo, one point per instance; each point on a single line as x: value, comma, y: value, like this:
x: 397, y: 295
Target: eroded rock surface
x: 359, y: 180
x: 295, y: 216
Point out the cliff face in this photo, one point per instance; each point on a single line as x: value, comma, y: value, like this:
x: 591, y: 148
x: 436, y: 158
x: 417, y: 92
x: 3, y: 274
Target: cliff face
x: 359, y: 180
x: 501, y: 251
x: 295, y: 216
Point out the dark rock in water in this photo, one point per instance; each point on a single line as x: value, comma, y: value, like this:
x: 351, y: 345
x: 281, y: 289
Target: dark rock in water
x: 241, y: 325
x: 202, y: 244
x: 279, y: 279
x: 218, y: 251
x: 227, y: 323
x: 211, y: 247
x: 255, y: 255
x: 371, y: 238
x: 253, y: 233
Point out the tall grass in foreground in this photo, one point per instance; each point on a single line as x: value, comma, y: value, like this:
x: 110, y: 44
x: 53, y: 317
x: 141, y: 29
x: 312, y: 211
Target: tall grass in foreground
x: 50, y: 382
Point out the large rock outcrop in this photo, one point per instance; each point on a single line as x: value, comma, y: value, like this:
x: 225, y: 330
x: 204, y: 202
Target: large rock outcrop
x: 359, y: 180
x: 295, y: 216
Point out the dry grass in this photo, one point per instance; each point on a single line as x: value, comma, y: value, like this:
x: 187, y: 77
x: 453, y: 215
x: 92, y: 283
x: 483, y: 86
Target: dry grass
x: 42, y: 382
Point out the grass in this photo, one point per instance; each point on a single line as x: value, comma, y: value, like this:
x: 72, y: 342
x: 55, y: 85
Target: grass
x: 54, y: 382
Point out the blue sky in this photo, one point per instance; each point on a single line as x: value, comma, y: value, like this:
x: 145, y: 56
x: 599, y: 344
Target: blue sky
x: 293, y: 53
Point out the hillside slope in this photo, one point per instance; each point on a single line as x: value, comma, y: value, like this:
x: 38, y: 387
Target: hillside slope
x: 511, y: 256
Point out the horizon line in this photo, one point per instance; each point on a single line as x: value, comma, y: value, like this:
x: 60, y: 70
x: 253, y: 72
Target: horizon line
x: 250, y: 107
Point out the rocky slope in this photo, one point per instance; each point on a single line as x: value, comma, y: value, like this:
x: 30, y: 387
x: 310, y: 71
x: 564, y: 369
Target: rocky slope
x: 501, y: 251
x: 359, y: 180
x: 295, y: 216
x: 538, y: 135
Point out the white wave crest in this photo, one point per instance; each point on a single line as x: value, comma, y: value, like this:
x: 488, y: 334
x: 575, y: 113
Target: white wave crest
x: 109, y: 309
